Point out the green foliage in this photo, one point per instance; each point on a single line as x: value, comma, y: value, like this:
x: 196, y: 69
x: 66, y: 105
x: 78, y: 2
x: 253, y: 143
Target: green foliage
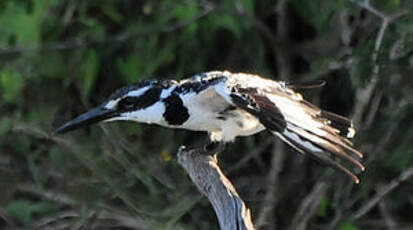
x: 224, y: 21
x: 361, y: 73
x: 389, y: 6
x: 319, y: 12
x: 25, y: 210
x: 322, y: 207
x: 11, y: 84
x: 52, y: 67
x: 90, y: 70
x: 5, y: 125
x: 347, y: 226
x: 24, y: 28
x: 185, y: 12
x: 247, y: 6
x: 136, y: 67
x: 23, y: 24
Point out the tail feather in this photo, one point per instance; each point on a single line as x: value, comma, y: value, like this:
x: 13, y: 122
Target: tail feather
x: 340, y: 141
x: 320, y: 134
x: 325, y: 144
x: 319, y: 149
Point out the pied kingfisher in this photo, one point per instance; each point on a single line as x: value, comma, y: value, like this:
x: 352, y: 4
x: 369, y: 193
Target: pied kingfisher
x: 227, y: 105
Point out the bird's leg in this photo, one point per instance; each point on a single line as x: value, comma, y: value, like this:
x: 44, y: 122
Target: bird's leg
x: 214, y: 147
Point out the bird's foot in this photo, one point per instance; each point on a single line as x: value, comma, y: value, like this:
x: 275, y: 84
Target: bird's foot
x: 214, y: 147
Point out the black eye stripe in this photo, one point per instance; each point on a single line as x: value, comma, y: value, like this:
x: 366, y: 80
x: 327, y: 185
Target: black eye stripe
x: 150, y: 97
x: 127, y: 103
x: 129, y: 100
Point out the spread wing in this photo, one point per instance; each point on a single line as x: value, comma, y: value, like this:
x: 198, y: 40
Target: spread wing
x: 305, y: 127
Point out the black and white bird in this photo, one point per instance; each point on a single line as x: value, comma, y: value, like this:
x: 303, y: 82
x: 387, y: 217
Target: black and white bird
x: 228, y: 105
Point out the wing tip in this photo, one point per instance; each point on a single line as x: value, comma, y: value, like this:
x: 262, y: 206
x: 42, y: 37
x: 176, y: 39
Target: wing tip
x: 351, y: 132
x: 304, y: 145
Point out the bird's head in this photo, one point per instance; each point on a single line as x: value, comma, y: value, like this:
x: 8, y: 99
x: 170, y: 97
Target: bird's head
x: 132, y: 102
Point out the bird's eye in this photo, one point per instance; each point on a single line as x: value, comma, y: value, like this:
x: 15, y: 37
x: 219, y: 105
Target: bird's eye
x: 127, y: 103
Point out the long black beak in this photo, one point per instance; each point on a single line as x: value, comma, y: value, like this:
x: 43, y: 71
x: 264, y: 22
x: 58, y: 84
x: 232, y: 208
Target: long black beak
x: 91, y: 117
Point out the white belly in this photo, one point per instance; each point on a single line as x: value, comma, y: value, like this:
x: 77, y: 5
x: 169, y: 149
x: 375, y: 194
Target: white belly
x: 205, y: 116
x: 239, y: 123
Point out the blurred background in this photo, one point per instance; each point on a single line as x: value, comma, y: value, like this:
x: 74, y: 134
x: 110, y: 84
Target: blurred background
x: 59, y: 58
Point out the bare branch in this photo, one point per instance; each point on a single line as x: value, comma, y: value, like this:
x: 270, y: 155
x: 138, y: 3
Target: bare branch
x: 364, y: 95
x: 373, y: 109
x: 405, y: 175
x: 388, y: 218
x: 45, y: 222
x: 60, y: 198
x: 266, y: 216
x: 204, y: 171
x: 5, y: 219
x: 366, y: 5
x: 308, y: 207
x: 64, y: 219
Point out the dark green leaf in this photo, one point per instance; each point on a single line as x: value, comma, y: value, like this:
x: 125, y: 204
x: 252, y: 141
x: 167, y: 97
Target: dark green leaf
x: 91, y: 67
x: 347, y: 226
x: 11, y: 84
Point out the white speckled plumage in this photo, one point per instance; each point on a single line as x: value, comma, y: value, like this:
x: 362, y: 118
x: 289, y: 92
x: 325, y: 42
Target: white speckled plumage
x: 228, y: 105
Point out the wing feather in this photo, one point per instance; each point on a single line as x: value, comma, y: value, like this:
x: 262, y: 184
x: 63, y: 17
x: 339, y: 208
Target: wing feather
x: 305, y: 127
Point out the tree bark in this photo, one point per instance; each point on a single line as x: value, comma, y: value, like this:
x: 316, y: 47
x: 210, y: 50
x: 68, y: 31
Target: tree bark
x: 204, y: 171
